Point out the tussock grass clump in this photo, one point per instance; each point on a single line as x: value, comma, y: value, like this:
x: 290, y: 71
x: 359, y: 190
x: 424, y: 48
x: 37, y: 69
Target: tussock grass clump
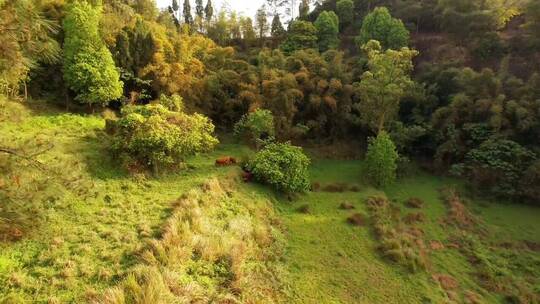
x: 399, y: 241
x: 414, y: 202
x: 217, y: 247
x: 337, y: 187
x: 356, y: 219
x: 346, y: 206
x: 458, y: 214
x: 304, y: 209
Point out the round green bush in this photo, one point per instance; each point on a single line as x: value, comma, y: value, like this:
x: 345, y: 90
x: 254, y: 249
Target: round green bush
x: 381, y: 160
x: 154, y: 137
x: 283, y: 166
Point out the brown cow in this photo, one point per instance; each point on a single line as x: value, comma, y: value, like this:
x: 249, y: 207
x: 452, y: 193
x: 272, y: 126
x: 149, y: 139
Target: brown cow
x: 225, y: 161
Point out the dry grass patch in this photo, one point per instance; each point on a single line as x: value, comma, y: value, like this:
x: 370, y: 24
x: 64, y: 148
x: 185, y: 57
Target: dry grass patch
x: 400, y: 241
x: 218, y: 246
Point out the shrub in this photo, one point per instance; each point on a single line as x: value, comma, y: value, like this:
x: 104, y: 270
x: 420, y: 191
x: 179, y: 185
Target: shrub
x: 152, y: 136
x: 497, y: 166
x: 381, y: 160
x: 255, y: 126
x: 283, y: 166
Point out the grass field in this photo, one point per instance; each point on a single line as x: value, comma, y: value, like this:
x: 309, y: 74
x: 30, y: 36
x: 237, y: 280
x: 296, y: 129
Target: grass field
x: 91, y: 223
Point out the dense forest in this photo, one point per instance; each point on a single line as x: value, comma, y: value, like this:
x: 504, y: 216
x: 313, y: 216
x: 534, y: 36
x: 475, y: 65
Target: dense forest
x: 251, y: 125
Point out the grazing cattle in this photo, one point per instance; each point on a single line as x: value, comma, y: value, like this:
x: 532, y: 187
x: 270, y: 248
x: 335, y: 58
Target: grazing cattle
x: 225, y: 161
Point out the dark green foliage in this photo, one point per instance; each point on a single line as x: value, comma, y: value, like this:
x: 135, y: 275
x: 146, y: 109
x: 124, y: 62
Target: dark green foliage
x: 89, y: 68
x: 301, y: 35
x: 154, y: 137
x: 465, y: 18
x: 199, y: 8
x: 261, y: 21
x: 345, y: 11
x: 532, y: 14
x: 488, y: 46
x: 327, y: 25
x: 134, y: 48
x: 497, y: 166
x: 381, y: 160
x: 381, y: 26
x: 209, y: 11
x: 277, y: 31
x: 188, y: 18
x: 283, y: 166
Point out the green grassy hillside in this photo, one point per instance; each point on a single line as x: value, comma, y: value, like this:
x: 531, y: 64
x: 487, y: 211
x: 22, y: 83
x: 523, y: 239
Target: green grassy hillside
x: 82, y: 231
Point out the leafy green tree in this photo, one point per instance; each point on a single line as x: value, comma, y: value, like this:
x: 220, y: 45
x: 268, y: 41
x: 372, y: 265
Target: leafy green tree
x: 89, y: 68
x: 303, y: 9
x: 327, y: 25
x: 188, y: 18
x: 283, y: 166
x: 234, y: 26
x: 248, y: 33
x: 301, y: 35
x: 209, y: 11
x: 199, y: 8
x: 277, y: 31
x: 382, y: 87
x: 381, y: 26
x: 381, y: 160
x: 175, y: 6
x: 154, y: 137
x: 345, y: 11
x: 255, y: 126
x: 261, y: 21
x: 219, y: 31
